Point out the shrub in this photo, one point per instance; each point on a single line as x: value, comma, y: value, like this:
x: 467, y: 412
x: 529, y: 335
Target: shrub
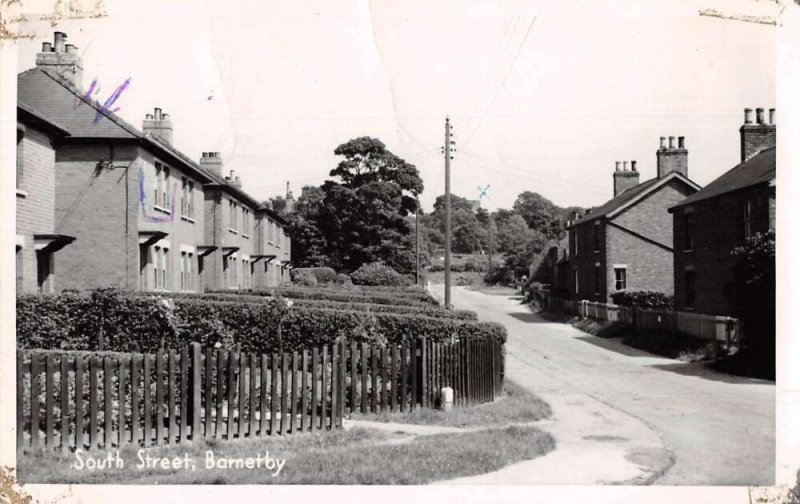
x: 343, y: 279
x: 139, y: 323
x: 648, y: 300
x: 380, y: 295
x: 304, y: 278
x: 320, y: 275
x: 377, y: 274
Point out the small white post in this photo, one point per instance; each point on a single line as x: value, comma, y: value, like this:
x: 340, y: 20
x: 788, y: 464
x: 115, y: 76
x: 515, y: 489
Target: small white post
x: 447, y: 398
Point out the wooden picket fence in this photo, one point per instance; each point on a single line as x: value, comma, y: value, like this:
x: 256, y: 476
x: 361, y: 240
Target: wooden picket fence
x: 171, y: 397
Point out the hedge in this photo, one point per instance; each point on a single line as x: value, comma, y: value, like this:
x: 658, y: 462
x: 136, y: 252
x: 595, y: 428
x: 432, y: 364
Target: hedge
x: 135, y: 323
x: 378, y: 274
x: 424, y: 310
x: 322, y: 275
x: 388, y: 298
x: 649, y: 300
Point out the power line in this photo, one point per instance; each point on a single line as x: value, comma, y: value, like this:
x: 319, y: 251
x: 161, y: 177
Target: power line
x: 502, y: 83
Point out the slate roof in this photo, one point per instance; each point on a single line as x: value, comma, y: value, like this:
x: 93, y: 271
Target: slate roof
x: 756, y: 170
x: 629, y: 196
x: 59, y: 102
x: 28, y: 114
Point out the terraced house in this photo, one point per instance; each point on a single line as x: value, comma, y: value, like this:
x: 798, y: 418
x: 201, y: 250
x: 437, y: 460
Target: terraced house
x: 250, y: 249
x: 626, y: 243
x: 135, y: 205
x: 720, y: 217
x: 37, y: 243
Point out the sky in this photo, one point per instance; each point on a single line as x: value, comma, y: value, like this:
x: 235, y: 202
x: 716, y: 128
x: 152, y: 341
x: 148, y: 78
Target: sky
x: 543, y: 96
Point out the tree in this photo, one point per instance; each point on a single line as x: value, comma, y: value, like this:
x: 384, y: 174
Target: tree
x: 540, y: 214
x: 362, y: 218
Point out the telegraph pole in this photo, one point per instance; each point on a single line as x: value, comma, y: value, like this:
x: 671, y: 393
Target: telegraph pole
x: 490, y: 245
x: 417, y: 235
x: 447, y: 158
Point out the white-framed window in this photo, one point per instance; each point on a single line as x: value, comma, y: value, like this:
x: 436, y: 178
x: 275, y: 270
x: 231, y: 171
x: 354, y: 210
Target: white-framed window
x: 246, y: 272
x: 161, y: 268
x: 234, y: 269
x: 226, y: 270
x: 157, y: 185
x: 187, y: 271
x: 597, y: 237
x: 161, y: 192
x: 245, y: 222
x: 184, y: 198
x: 620, y: 277
x: 232, y: 207
x: 598, y: 273
x: 746, y: 218
x: 190, y: 200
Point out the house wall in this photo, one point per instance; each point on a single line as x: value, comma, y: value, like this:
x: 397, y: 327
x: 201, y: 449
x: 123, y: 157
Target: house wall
x: 97, y: 207
x: 267, y: 272
x: 241, y: 270
x: 184, y: 232
x: 718, y: 228
x: 35, y: 198
x: 585, y: 258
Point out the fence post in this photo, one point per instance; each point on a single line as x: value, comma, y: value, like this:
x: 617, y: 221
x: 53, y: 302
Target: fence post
x: 197, y: 367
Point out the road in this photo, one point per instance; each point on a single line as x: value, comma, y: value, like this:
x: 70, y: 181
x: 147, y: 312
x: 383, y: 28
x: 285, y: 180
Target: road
x: 677, y: 423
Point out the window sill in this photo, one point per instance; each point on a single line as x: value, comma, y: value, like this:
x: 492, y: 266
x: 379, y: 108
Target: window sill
x: 688, y: 251
x: 162, y: 210
x: 21, y: 193
x: 246, y: 236
x: 231, y: 230
x: 187, y: 219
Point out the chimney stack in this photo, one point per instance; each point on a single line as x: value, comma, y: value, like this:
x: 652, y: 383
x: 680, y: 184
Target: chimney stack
x: 233, y: 180
x: 212, y: 161
x: 289, y: 199
x: 624, y: 180
x: 671, y: 158
x: 759, y: 136
x: 158, y: 125
x: 62, y: 60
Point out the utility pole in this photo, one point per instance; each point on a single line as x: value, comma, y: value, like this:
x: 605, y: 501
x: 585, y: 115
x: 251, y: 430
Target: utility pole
x: 447, y: 158
x: 490, y: 245
x: 417, y: 235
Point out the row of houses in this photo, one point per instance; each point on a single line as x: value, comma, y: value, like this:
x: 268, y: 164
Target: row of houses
x: 101, y: 203
x: 667, y: 233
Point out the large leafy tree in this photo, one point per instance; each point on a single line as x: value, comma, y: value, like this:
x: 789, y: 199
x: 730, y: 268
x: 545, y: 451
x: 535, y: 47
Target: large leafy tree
x: 540, y: 214
x: 362, y: 215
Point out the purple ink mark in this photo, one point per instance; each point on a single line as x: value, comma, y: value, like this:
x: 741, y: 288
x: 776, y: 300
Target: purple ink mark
x: 483, y: 191
x: 158, y: 219
x: 106, y: 107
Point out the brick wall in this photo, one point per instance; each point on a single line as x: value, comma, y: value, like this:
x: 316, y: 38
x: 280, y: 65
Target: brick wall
x: 718, y: 228
x: 35, y: 197
x: 755, y: 138
x: 184, y: 232
x: 97, y: 207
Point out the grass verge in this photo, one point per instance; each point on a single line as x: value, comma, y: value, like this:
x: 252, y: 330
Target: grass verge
x: 357, y: 456
x: 516, y: 405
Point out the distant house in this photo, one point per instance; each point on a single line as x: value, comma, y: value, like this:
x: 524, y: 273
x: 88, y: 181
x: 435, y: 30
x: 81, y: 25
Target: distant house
x: 250, y: 247
x: 626, y: 243
x: 710, y: 223
x: 37, y: 242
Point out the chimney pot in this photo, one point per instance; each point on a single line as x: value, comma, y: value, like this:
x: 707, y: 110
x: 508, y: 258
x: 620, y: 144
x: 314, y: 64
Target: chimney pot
x: 71, y: 49
x: 672, y: 142
x: 164, y: 116
x: 60, y: 38
x: 680, y: 143
x: 663, y: 142
x: 618, y: 163
x: 47, y: 47
x: 633, y: 165
x: 760, y: 115
x: 748, y: 116
x: 772, y: 116
x: 157, y: 113
x: 624, y: 166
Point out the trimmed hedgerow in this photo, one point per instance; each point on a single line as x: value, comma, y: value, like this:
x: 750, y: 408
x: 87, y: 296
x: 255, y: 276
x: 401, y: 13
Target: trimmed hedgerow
x: 388, y: 298
x: 424, y: 310
x: 649, y: 300
x: 378, y: 273
x: 136, y: 323
x: 321, y: 275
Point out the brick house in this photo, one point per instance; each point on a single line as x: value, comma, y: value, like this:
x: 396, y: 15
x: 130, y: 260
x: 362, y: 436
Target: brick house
x: 710, y: 223
x: 132, y: 200
x: 136, y: 204
x: 37, y: 243
x: 626, y: 243
x: 251, y: 248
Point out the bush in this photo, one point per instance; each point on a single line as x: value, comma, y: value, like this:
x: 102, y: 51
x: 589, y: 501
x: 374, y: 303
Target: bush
x: 320, y: 275
x: 305, y: 279
x: 406, y: 298
x: 139, y: 323
x: 343, y: 279
x: 377, y: 274
x: 648, y: 300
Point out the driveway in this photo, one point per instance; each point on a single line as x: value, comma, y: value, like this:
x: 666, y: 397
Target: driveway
x: 674, y: 423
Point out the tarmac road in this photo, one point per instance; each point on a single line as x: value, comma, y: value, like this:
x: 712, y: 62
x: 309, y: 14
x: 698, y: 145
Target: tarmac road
x: 656, y: 420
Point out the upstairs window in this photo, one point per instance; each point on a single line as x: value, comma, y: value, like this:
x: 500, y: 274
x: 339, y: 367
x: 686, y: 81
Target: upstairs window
x: 161, y: 194
x: 184, y: 198
x: 232, y: 210
x: 746, y: 219
x: 190, y: 201
x: 166, y: 194
x: 597, y: 237
x: 688, y: 233
x: 597, y: 282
